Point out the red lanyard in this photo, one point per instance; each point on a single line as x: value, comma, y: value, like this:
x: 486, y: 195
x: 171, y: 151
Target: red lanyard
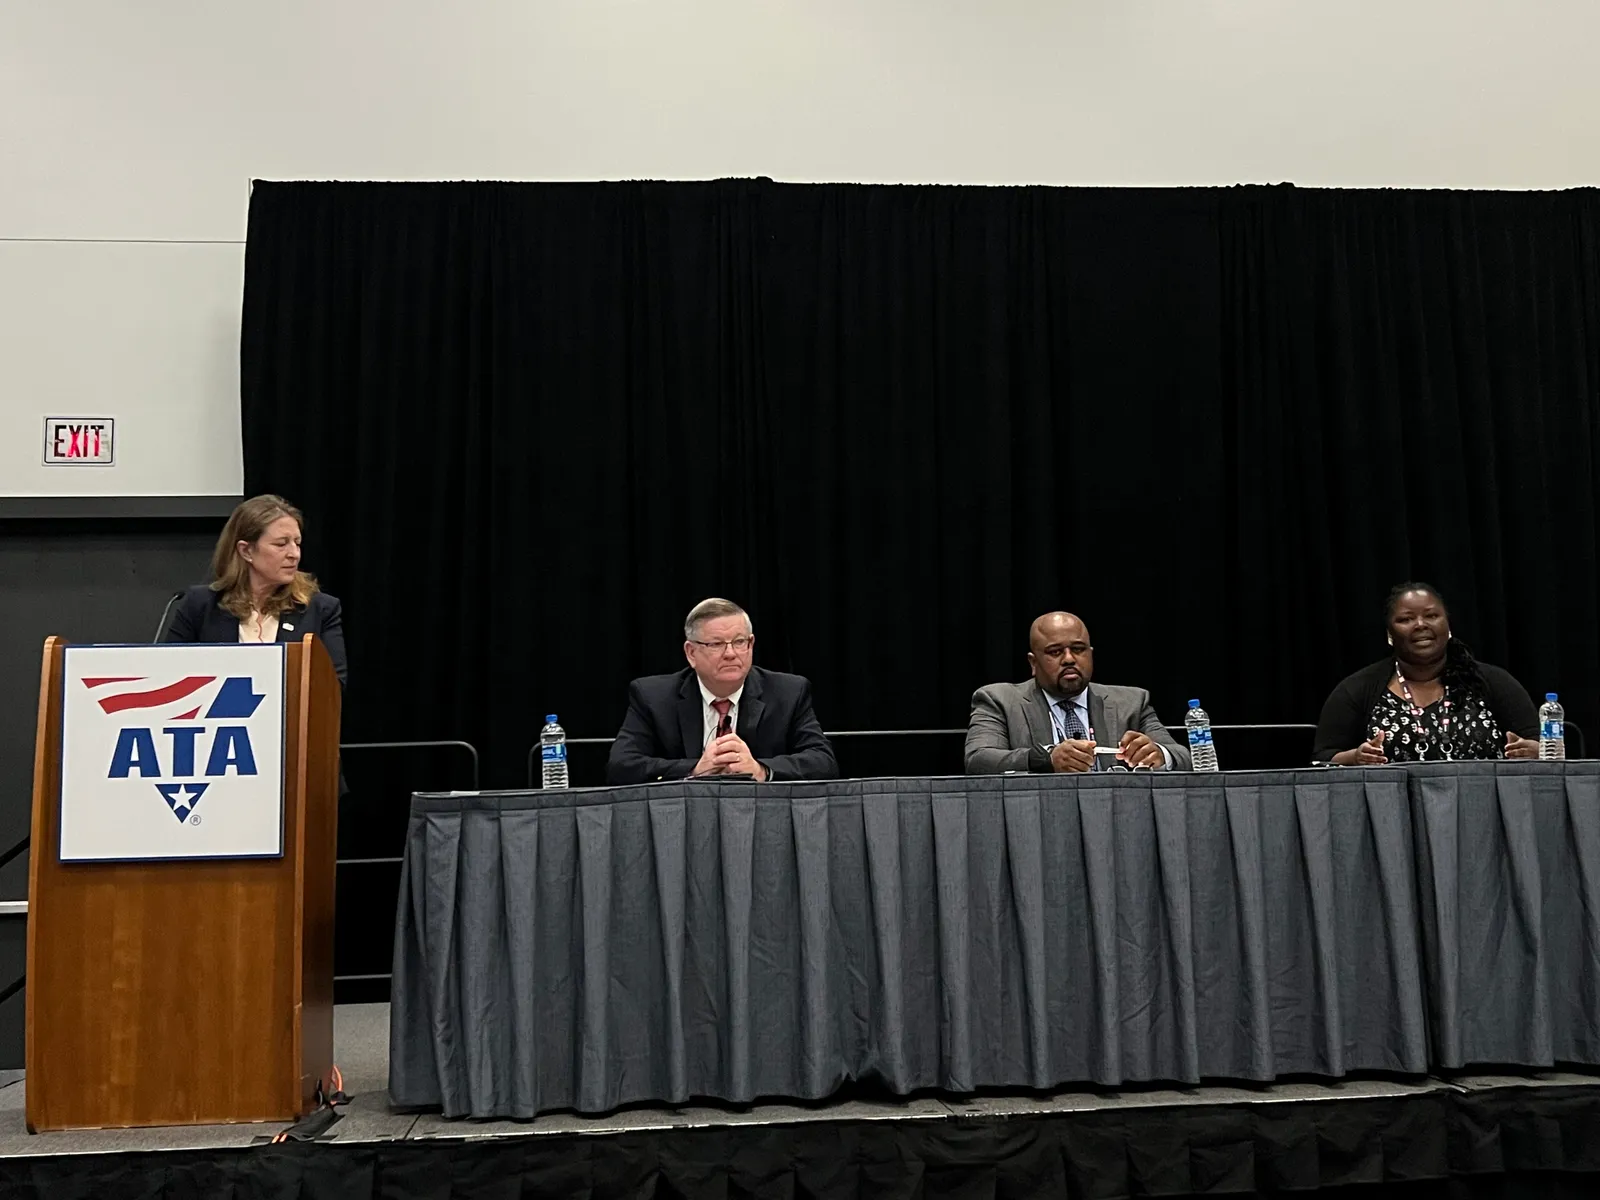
x: 1416, y: 715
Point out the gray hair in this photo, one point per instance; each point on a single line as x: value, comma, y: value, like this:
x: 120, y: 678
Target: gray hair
x: 710, y: 610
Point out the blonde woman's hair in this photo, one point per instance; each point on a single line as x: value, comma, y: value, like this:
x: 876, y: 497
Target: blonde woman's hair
x: 230, y: 574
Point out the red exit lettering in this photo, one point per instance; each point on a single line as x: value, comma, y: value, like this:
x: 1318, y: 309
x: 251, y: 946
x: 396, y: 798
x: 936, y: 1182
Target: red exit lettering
x: 77, y: 441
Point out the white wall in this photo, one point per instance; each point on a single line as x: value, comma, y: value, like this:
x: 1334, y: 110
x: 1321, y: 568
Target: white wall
x: 144, y: 332
x: 124, y: 121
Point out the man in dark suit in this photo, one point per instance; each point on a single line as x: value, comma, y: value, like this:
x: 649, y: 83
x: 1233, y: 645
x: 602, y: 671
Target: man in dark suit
x: 1057, y: 721
x: 720, y: 715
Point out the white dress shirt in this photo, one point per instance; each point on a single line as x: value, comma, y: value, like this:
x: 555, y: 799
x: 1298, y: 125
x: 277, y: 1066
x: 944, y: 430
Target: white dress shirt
x: 709, y: 716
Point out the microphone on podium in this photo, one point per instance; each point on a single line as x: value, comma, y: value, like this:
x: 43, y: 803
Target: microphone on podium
x: 161, y: 626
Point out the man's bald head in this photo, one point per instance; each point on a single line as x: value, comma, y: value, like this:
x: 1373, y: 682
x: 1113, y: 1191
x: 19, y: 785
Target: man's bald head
x: 1056, y: 625
x: 1060, y: 654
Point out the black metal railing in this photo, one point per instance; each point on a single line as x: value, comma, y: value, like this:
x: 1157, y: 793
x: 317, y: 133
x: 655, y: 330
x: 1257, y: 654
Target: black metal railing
x: 395, y: 859
x: 422, y: 745
x: 15, y: 850
x: 1573, y: 731
x: 1572, y: 728
x: 533, y: 750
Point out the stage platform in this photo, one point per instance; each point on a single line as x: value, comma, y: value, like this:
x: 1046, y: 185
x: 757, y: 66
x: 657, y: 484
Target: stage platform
x: 1473, y: 1134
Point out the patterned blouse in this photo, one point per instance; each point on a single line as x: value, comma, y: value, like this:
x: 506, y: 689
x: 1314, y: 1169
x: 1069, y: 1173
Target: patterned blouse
x: 1473, y: 733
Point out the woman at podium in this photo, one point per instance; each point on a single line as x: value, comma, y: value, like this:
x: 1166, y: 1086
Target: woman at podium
x: 258, y: 593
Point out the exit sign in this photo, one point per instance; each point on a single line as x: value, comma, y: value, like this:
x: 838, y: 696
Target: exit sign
x: 79, y: 441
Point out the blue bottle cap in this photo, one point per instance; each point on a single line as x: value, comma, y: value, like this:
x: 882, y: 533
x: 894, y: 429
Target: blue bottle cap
x: 1194, y: 704
x: 1550, y: 696
x: 549, y: 718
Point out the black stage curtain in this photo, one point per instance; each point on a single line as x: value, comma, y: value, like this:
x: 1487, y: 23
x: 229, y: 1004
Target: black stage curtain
x: 531, y: 424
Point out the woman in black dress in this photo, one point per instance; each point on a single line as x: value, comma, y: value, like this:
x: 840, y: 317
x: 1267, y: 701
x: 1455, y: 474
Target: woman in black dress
x: 1430, y: 701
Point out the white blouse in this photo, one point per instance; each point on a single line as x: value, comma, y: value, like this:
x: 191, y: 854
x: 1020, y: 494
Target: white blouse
x: 257, y: 628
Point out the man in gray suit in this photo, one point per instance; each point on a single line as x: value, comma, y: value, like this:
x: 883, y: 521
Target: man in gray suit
x: 1053, y: 721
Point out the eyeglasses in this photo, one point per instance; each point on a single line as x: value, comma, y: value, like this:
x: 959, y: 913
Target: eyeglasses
x: 1078, y: 649
x: 739, y: 644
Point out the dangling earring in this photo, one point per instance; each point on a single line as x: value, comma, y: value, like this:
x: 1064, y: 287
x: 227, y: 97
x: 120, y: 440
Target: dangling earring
x: 1391, y: 639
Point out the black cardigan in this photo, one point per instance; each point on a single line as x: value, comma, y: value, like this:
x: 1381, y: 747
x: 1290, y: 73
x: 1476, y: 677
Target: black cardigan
x: 1343, y: 724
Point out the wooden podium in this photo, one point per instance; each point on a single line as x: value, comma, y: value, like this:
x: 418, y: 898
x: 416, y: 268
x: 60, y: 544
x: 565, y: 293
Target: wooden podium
x: 186, y: 991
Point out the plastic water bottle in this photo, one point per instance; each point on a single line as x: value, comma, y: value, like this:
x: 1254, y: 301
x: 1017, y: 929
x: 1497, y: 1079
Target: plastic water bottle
x: 1552, y: 728
x: 553, y: 750
x: 1202, y: 754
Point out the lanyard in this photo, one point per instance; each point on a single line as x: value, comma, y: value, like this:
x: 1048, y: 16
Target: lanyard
x: 1416, y: 716
x: 1058, y: 723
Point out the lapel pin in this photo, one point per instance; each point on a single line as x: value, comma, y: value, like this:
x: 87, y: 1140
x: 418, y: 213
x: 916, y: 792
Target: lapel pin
x: 288, y: 626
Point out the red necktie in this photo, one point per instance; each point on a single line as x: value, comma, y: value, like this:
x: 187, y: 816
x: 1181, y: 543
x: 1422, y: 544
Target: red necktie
x: 724, y: 726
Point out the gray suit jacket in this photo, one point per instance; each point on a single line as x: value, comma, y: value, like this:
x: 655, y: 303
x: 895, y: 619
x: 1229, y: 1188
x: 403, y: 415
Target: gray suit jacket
x: 1010, y: 721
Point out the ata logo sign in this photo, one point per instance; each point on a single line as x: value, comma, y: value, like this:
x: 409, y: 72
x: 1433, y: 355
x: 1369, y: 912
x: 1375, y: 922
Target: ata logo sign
x: 149, y: 732
x: 80, y: 442
x: 136, y: 752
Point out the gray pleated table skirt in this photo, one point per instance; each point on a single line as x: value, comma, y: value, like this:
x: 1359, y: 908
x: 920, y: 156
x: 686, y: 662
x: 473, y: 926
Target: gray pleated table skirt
x: 600, y: 947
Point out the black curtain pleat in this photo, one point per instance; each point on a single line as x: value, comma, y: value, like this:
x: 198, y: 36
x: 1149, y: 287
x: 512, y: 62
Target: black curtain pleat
x: 531, y: 424
x: 1413, y: 395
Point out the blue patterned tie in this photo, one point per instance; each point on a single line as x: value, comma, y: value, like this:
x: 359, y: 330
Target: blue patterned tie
x: 1072, y: 723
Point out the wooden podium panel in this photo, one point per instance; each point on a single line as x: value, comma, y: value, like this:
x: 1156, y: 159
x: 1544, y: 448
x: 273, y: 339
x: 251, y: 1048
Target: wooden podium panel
x: 186, y: 991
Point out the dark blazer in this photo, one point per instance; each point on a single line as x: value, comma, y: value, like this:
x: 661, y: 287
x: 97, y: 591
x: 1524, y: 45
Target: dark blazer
x: 1345, y: 714
x: 663, y: 733
x: 200, y: 617
x: 1010, y: 726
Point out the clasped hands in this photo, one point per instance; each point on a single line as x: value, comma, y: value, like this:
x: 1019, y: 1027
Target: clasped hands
x: 728, y: 755
x: 1136, y: 750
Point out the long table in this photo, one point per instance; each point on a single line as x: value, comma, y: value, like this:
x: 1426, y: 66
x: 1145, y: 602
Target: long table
x: 598, y: 947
